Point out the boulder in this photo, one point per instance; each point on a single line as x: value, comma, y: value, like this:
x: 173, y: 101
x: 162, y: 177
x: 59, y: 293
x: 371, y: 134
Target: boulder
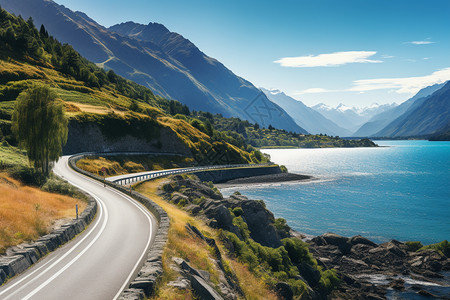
x: 311, y: 275
x: 357, y: 239
x: 284, y: 291
x: 340, y: 241
x: 202, y: 289
x: 13, y: 265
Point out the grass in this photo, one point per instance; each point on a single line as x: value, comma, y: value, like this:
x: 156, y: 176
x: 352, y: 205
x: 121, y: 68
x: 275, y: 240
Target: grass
x: 200, y: 255
x: 10, y: 156
x: 27, y: 212
x: 118, y: 165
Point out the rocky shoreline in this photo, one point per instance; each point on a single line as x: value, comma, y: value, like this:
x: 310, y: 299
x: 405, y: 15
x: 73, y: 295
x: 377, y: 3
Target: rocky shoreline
x: 366, y: 270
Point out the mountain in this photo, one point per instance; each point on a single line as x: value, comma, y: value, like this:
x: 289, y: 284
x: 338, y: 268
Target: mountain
x: 304, y: 116
x: 170, y: 65
x: 426, y: 116
x: 381, y: 120
x: 350, y: 118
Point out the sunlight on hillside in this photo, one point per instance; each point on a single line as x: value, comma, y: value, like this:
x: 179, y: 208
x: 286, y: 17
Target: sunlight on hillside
x: 199, y: 254
x: 27, y: 212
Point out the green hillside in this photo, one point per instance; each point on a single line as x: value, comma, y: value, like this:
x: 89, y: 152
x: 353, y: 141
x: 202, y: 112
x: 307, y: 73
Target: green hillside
x: 91, y: 94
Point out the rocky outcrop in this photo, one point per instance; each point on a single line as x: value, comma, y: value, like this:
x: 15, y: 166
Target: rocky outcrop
x: 202, y: 200
x: 21, y: 257
x: 368, y: 269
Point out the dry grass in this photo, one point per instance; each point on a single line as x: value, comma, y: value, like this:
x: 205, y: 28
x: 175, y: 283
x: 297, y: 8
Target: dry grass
x: 196, y: 251
x: 118, y: 165
x: 27, y: 212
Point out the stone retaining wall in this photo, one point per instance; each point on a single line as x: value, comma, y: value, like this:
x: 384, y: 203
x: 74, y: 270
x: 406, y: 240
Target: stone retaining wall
x: 145, y: 282
x: 218, y: 176
x: 21, y: 257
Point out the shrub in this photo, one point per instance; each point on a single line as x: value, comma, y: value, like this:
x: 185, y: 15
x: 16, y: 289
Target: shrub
x: 329, y: 280
x: 283, y: 169
x: 443, y: 247
x: 298, y: 251
x: 413, y: 246
x: 55, y: 184
x: 237, y: 211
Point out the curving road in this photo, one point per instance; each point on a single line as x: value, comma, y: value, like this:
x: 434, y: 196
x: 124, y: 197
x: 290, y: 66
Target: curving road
x: 100, y: 262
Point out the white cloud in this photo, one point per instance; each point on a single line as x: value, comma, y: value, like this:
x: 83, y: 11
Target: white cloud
x: 387, y: 56
x: 420, y: 42
x: 328, y: 59
x: 313, y: 91
x: 406, y: 85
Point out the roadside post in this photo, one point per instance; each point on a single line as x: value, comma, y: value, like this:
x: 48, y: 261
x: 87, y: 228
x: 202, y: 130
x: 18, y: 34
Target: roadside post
x: 104, y: 176
x: 76, y: 210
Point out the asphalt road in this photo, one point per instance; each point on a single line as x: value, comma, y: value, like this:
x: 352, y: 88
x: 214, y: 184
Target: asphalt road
x: 101, y: 261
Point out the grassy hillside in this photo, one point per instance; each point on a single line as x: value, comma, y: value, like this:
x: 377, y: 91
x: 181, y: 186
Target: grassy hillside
x: 91, y: 94
x: 182, y: 244
x: 28, y: 212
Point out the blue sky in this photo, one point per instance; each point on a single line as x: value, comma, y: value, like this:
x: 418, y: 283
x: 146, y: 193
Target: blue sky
x: 330, y: 51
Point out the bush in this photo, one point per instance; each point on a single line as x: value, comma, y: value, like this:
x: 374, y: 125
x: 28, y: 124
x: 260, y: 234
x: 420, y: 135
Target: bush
x: 329, y: 280
x: 237, y: 211
x: 413, y: 246
x: 298, y: 251
x: 27, y: 175
x: 55, y: 184
x: 443, y: 247
x: 283, y: 169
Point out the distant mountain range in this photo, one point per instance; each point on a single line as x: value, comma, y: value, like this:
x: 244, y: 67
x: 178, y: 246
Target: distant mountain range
x: 426, y: 116
x: 351, y: 118
x: 306, y: 117
x: 381, y: 120
x: 170, y: 65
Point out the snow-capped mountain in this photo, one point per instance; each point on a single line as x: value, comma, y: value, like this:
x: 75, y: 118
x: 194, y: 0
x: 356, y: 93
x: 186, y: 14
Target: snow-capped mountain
x: 350, y: 117
x: 304, y: 116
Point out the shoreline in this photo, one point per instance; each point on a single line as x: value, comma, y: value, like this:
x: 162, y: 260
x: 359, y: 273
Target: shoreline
x: 263, y: 179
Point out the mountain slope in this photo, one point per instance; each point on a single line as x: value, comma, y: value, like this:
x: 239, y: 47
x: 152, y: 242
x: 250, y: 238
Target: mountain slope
x: 170, y: 65
x: 426, y: 116
x: 304, y: 116
x: 381, y: 120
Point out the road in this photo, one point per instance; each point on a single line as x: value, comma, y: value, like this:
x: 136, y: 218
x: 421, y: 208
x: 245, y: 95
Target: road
x: 101, y: 261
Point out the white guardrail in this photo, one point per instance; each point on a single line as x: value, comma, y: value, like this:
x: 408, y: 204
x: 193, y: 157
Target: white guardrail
x: 155, y: 174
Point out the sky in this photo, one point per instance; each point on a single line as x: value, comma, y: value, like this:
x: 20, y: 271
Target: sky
x: 355, y: 52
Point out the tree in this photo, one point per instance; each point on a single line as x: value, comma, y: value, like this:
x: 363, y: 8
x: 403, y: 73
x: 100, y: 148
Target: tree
x: 40, y: 126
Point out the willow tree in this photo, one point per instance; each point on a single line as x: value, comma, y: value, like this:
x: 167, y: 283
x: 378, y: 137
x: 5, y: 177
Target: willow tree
x: 40, y: 126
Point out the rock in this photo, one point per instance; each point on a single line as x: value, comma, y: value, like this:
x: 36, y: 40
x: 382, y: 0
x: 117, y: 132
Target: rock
x: 193, y: 209
x: 341, y: 242
x: 221, y: 214
x: 357, y: 239
x: 427, y: 294
x: 394, y: 247
x: 311, y: 275
x: 284, y: 291
x: 132, y: 294
x: 397, y: 284
x: 177, y: 197
x: 145, y: 284
x: 202, y: 289
x: 2, y: 276
x: 181, y: 283
x: 13, y: 265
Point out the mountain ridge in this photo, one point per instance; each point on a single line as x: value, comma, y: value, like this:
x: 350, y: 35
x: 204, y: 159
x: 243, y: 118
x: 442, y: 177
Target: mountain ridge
x: 426, y: 116
x: 170, y: 65
x: 381, y: 120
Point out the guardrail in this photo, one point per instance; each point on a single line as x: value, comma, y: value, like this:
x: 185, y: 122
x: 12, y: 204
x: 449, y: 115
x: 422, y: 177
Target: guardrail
x: 155, y: 174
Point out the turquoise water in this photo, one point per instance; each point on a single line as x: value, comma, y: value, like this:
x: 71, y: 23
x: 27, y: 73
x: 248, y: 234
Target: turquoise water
x: 401, y: 191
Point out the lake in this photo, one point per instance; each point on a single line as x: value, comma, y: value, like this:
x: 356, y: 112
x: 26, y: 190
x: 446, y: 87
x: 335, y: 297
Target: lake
x: 398, y: 191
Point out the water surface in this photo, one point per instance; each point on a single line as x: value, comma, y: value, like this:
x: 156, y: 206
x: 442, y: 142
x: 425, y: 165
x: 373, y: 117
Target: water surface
x: 400, y: 191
